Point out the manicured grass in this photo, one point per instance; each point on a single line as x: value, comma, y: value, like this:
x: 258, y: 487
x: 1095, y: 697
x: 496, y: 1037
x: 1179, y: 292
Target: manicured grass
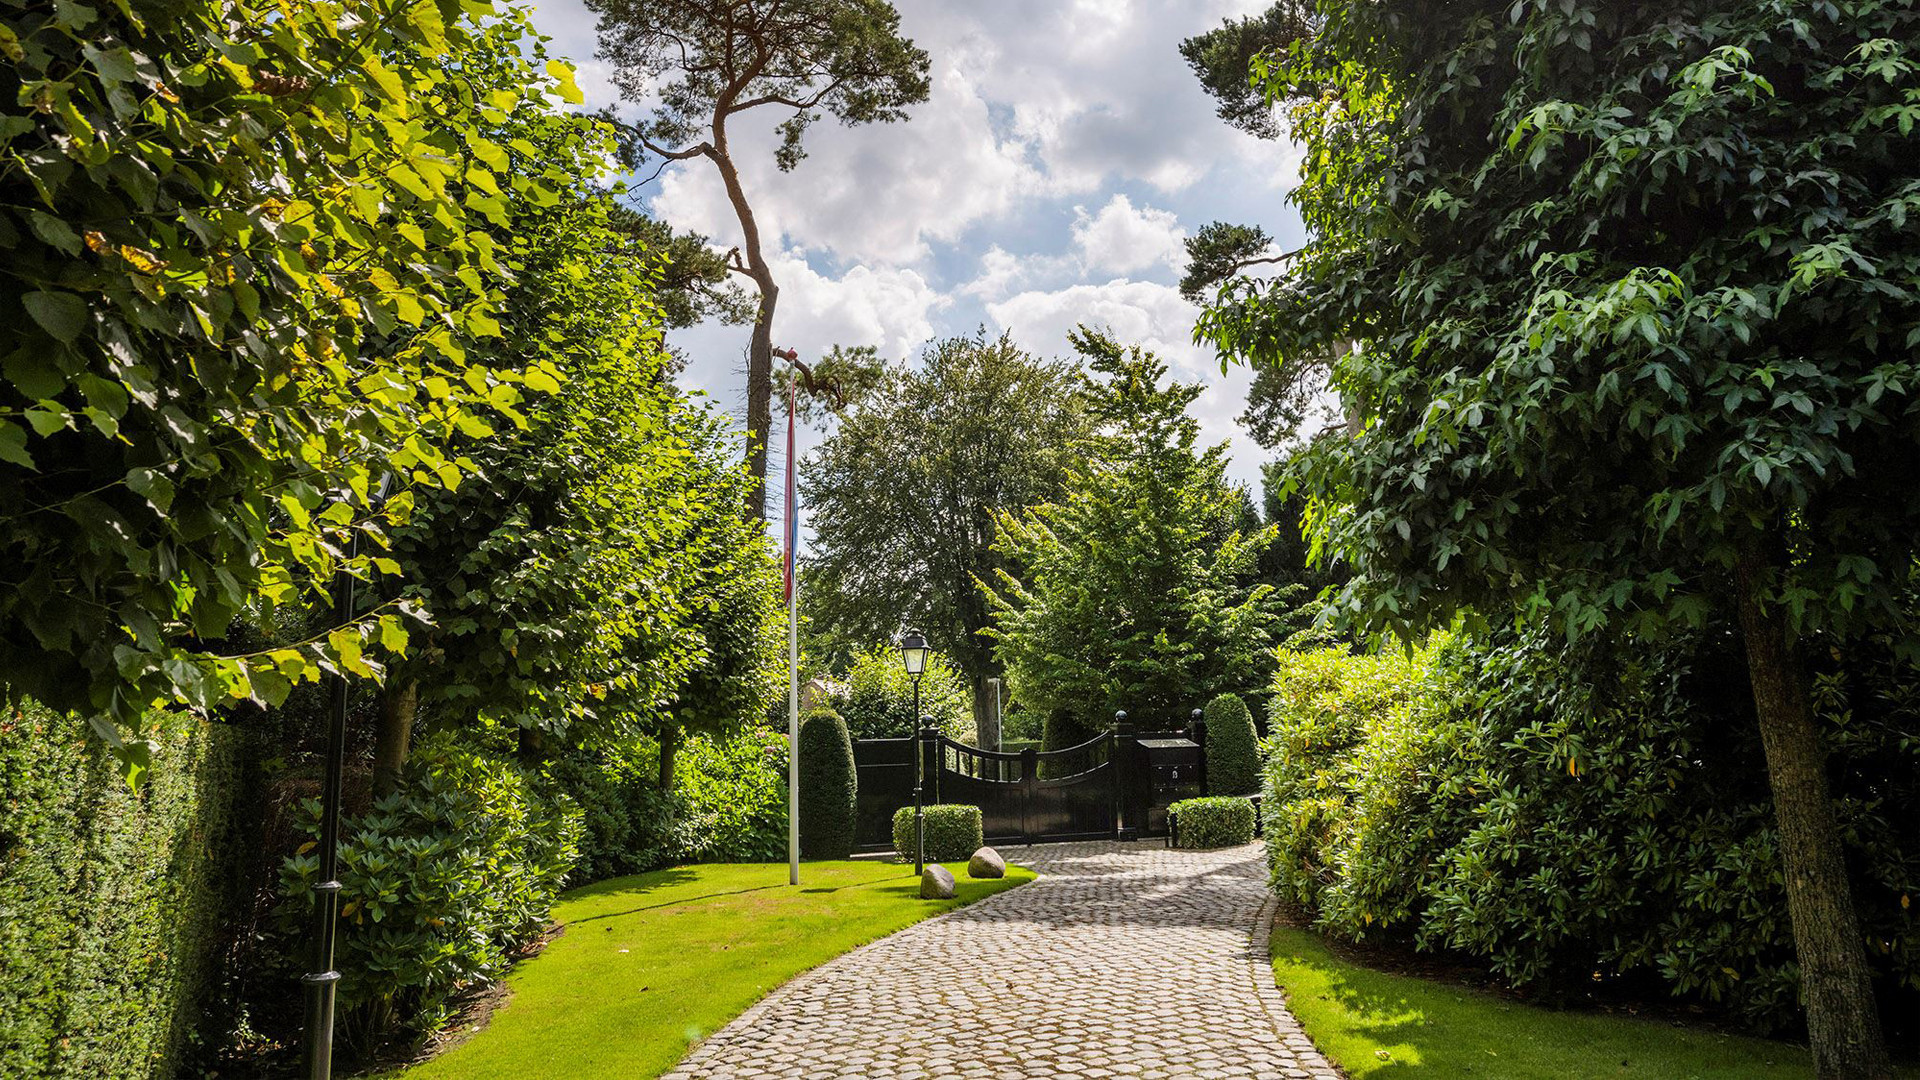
x: 651, y: 963
x: 1396, y: 1027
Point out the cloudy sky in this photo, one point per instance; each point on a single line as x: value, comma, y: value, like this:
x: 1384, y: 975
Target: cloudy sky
x: 1064, y: 153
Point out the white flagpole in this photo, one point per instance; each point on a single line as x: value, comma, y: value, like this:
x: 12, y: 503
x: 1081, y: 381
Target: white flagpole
x: 793, y: 732
x: 793, y: 662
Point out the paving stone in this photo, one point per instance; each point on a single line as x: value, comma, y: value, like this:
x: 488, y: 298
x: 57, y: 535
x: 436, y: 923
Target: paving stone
x: 1123, y: 960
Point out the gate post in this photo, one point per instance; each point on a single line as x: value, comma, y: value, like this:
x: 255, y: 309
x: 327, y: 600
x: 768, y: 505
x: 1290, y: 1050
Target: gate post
x: 1029, y: 782
x: 1197, y: 731
x: 1119, y: 753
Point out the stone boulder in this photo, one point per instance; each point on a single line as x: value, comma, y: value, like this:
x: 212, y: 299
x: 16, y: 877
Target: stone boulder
x: 986, y: 863
x: 936, y: 883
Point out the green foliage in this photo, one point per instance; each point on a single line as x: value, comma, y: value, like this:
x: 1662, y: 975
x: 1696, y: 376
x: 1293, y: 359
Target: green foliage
x: 1233, y: 757
x: 728, y: 803
x: 952, y: 831
x: 876, y: 697
x: 115, y: 907
x: 1212, y: 822
x: 902, y: 493
x: 731, y: 796
x: 243, y: 270
x: 828, y: 786
x: 1135, y: 591
x: 1564, y: 811
x: 1222, y: 58
x: 440, y: 881
x: 695, y: 62
x: 1632, y: 295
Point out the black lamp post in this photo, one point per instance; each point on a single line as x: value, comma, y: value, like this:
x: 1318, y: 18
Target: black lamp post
x: 322, y: 980
x: 913, y: 656
x: 320, y: 983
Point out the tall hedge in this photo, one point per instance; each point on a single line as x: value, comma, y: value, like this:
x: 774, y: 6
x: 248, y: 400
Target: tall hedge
x: 827, y: 786
x: 1589, y: 816
x: 112, y: 903
x: 1233, y: 758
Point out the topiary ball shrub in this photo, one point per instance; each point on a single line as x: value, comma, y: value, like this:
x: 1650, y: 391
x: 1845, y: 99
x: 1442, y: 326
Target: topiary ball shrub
x: 827, y: 786
x: 1211, y: 822
x: 1233, y: 759
x: 954, y: 832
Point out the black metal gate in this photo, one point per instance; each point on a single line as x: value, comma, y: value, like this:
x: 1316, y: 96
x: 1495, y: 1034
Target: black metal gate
x: 1029, y: 797
x: 1033, y: 796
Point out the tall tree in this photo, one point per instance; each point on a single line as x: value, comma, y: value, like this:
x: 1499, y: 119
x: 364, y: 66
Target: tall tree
x: 699, y: 64
x: 240, y: 281
x: 1135, y: 590
x: 902, y: 494
x: 1637, y: 296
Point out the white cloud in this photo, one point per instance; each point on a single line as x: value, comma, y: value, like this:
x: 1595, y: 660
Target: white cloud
x: 1122, y: 240
x: 1158, y: 319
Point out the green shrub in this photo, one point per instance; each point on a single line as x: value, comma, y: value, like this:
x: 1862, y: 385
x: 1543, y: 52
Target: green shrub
x: 627, y: 822
x: 440, y: 881
x: 1063, y: 729
x: 1212, y: 822
x: 953, y: 832
x: 828, y: 786
x: 1565, y: 811
x: 1233, y: 758
x: 731, y: 796
x: 115, y: 905
x: 876, y: 697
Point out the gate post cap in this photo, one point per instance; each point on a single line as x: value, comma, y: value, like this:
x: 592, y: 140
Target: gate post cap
x: 1120, y: 716
x: 1196, y: 713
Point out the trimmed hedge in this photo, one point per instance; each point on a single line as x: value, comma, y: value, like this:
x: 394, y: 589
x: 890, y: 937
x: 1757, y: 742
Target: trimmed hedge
x: 1233, y: 755
x: 114, y: 904
x: 1214, y: 821
x: 954, y: 831
x: 828, y: 786
x: 1582, y: 816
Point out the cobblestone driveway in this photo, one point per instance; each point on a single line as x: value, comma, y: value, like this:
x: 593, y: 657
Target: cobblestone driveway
x: 1122, y: 960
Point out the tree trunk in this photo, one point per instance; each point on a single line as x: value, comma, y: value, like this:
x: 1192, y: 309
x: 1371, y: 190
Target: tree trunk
x: 760, y: 348
x: 393, y: 734
x: 986, y: 711
x: 1835, y: 985
x: 669, y: 751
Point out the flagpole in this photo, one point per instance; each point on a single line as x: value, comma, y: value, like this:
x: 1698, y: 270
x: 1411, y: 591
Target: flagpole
x: 793, y: 659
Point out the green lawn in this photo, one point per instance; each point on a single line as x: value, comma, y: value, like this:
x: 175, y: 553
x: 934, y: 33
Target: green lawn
x: 650, y: 963
x: 1395, y: 1027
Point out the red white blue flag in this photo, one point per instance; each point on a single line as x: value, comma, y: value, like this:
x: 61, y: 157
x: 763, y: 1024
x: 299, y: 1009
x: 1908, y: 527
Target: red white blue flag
x: 792, y: 529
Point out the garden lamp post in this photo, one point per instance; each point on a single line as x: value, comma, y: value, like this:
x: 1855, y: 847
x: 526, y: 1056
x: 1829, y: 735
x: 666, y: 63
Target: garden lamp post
x: 913, y: 657
x: 320, y: 984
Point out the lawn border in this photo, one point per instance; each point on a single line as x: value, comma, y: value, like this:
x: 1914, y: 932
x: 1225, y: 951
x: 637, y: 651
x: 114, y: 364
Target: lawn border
x: 680, y: 1070
x: 1273, y: 997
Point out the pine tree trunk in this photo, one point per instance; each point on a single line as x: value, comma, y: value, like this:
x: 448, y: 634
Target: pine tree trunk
x: 760, y: 348
x: 393, y: 734
x: 1835, y: 984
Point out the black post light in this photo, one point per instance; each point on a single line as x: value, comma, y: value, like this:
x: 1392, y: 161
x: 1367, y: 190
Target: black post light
x: 913, y: 657
x: 323, y: 981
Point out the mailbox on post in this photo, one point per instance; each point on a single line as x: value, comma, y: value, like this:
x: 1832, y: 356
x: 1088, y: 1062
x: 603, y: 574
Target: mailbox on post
x: 1173, y: 773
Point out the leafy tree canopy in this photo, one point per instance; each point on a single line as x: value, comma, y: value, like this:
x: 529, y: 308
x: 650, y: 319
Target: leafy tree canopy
x: 902, y: 494
x: 1636, y: 298
x: 246, y: 259
x: 1134, y: 590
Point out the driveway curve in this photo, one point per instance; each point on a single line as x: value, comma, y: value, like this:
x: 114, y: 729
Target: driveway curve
x: 1121, y: 960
